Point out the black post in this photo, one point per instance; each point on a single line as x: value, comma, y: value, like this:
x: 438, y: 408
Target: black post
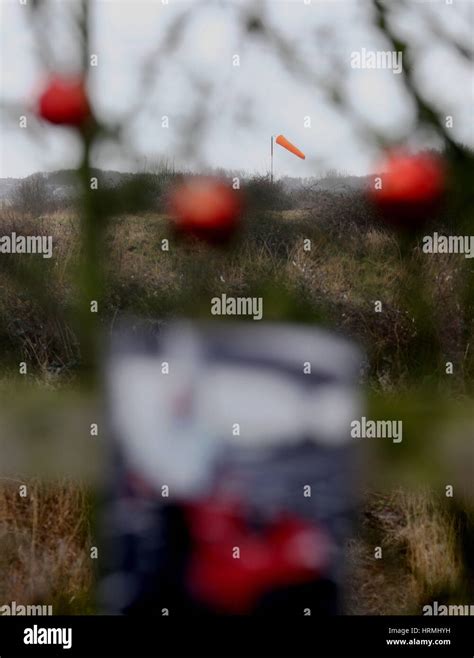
x: 271, y: 153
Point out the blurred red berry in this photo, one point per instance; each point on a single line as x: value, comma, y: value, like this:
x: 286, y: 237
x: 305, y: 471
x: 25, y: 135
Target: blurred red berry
x: 205, y: 208
x: 411, y: 189
x: 64, y: 101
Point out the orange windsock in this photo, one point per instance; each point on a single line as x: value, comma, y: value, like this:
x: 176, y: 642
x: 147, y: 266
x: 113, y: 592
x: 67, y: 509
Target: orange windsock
x: 289, y: 146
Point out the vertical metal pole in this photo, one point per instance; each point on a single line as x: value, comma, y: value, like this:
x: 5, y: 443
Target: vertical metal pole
x: 271, y: 153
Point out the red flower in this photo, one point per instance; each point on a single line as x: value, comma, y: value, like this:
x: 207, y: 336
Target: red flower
x: 411, y: 188
x: 205, y: 208
x: 64, y: 101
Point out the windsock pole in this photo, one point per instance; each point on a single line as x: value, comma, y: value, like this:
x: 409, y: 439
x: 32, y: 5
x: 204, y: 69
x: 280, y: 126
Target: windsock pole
x: 271, y: 160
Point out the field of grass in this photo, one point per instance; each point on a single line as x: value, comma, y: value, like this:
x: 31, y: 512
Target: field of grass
x: 337, y: 282
x: 45, y: 539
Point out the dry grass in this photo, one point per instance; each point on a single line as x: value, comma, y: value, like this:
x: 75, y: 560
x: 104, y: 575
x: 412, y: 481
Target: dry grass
x: 420, y: 559
x: 346, y: 271
x: 430, y: 535
x: 44, y: 545
x: 378, y: 587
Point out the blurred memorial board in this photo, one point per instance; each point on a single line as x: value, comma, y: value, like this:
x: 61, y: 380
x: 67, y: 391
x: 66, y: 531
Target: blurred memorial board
x: 233, y: 476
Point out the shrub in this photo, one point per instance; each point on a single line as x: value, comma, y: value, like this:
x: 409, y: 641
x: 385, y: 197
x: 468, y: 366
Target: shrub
x: 261, y: 194
x: 33, y: 196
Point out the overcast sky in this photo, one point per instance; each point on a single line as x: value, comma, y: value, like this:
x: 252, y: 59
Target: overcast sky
x: 222, y: 115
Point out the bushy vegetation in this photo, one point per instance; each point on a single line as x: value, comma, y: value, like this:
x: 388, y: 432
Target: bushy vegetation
x: 329, y: 261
